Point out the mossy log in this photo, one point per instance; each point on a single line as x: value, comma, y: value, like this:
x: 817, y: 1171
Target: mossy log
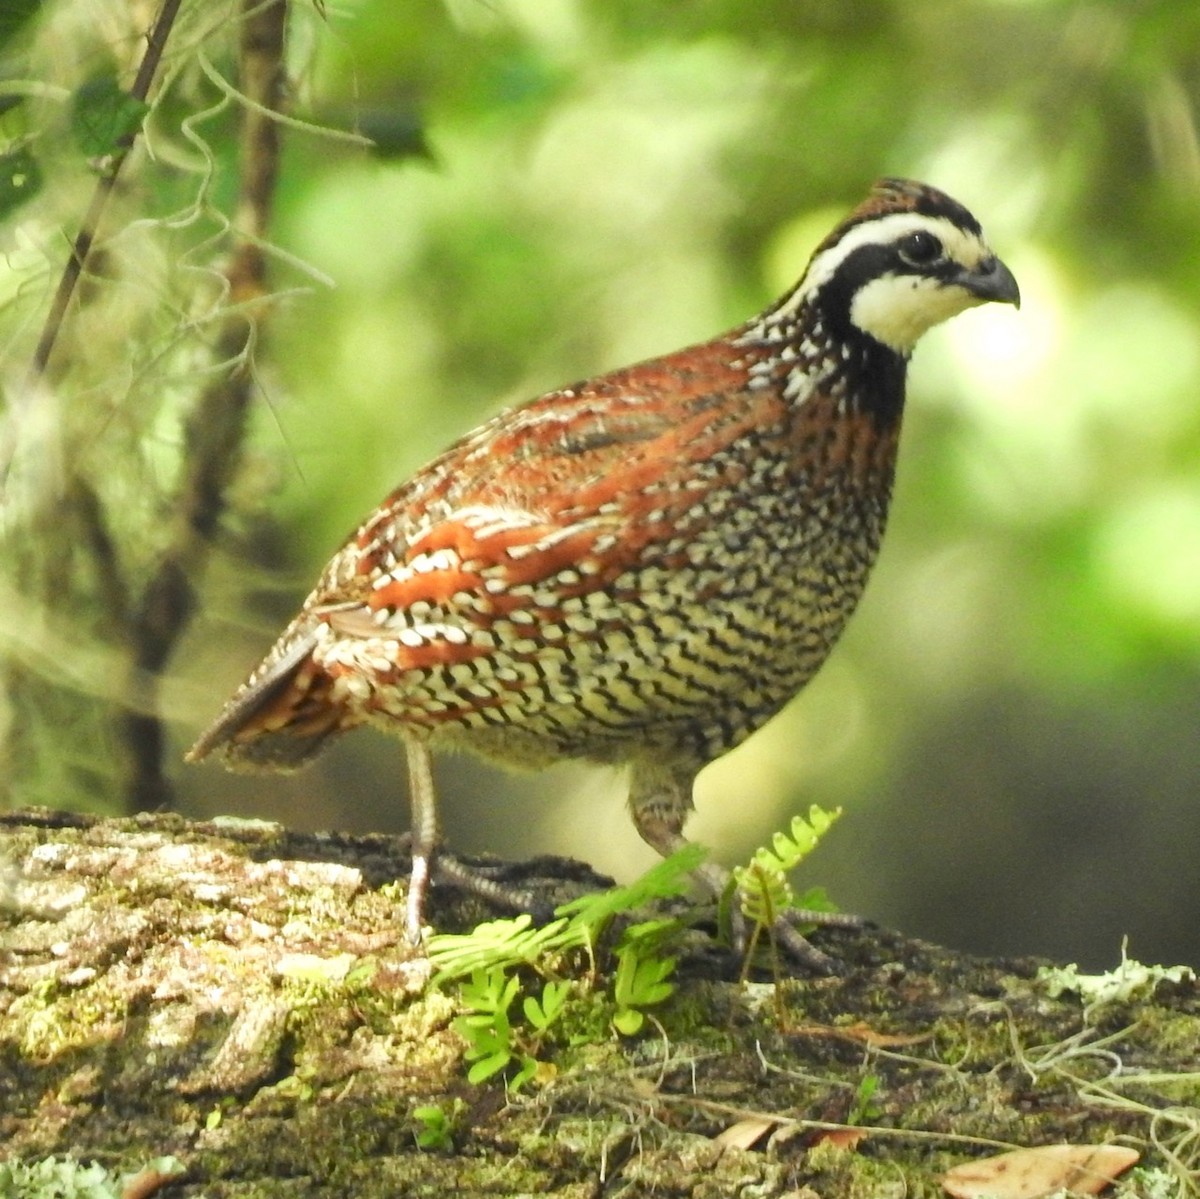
x: 242, y: 998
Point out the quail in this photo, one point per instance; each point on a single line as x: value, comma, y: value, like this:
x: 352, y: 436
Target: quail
x: 641, y: 568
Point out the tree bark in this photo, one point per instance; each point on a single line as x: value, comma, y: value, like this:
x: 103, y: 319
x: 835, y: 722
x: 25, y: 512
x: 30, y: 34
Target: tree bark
x: 242, y: 998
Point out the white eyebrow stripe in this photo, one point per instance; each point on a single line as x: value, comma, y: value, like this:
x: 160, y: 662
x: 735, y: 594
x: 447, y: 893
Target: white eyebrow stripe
x: 962, y: 246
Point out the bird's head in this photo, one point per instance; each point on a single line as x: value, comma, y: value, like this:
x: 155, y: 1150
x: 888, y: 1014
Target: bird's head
x: 906, y: 259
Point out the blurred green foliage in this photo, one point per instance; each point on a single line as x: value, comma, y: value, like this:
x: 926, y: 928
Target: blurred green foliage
x: 563, y: 186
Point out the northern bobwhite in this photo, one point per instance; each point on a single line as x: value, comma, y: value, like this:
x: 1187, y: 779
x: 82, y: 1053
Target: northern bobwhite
x: 641, y: 568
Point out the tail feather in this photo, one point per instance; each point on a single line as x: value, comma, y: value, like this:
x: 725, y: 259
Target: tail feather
x: 280, y: 718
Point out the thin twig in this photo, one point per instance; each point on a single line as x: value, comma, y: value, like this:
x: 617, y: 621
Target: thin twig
x: 81, y: 499
x: 84, y: 239
x: 735, y: 1112
x: 215, y: 427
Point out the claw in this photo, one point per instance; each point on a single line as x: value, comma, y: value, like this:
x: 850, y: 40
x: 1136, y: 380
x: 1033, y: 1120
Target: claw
x: 787, y: 936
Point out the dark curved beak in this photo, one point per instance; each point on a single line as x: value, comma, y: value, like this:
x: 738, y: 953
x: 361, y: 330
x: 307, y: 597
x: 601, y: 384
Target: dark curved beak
x: 992, y: 280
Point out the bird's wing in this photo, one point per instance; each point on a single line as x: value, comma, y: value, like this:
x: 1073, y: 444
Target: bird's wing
x: 560, y: 497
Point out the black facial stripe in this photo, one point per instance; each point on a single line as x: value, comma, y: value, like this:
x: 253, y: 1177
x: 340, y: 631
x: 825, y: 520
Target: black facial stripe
x: 947, y: 270
x: 863, y: 357
x: 837, y: 294
x: 862, y: 266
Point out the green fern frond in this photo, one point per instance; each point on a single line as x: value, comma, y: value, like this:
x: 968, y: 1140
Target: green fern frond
x: 665, y: 880
x: 762, y: 886
x: 501, y: 944
x: 506, y: 944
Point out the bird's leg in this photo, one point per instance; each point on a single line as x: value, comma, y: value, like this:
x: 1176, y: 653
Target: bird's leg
x: 660, y: 799
x: 423, y: 802
x: 427, y: 861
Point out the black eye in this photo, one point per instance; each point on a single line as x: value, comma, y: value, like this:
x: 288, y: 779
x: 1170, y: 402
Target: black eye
x: 920, y: 249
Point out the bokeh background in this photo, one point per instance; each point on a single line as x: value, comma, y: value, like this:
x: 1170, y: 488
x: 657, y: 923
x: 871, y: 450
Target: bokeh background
x: 564, y: 186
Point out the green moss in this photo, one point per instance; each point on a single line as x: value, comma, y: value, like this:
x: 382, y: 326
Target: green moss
x: 49, y: 1021
x: 311, y: 1065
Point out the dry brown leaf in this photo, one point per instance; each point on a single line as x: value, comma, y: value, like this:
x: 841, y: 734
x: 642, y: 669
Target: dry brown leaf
x: 843, y: 1138
x: 1032, y: 1173
x: 145, y: 1182
x: 745, y: 1134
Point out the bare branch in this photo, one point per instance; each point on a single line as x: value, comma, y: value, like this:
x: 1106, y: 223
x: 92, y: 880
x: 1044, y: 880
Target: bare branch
x: 215, y: 428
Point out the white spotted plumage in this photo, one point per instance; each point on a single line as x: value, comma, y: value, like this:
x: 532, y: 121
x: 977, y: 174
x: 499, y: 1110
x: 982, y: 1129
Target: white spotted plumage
x: 643, y: 567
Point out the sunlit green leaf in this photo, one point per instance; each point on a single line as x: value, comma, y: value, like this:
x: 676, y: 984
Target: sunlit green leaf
x: 397, y: 132
x: 665, y: 879
x: 104, y: 115
x: 20, y: 179
x: 486, y: 1067
x: 628, y: 1021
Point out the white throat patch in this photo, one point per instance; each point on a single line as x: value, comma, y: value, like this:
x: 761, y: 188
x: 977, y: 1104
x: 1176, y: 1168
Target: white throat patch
x: 898, y: 309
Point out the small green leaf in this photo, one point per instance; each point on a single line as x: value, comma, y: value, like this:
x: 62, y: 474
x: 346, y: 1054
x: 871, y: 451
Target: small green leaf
x: 864, y: 1109
x: 484, y: 1034
x: 398, y: 131
x: 435, y: 1127
x: 533, y: 1012
x: 542, y: 1012
x: 648, y: 935
x: 529, y: 1067
x: 554, y: 998
x: 815, y: 899
x: 13, y: 16
x: 20, y: 179
x: 475, y: 1020
x: 104, y: 116
x: 483, y: 1069
x: 490, y: 990
x: 639, y: 982
x: 651, y: 987
x: 628, y: 1021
